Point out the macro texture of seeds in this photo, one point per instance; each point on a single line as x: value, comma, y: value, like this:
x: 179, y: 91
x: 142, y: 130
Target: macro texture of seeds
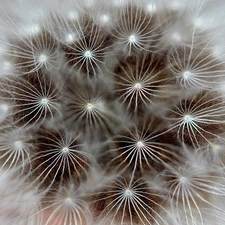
x: 112, y: 112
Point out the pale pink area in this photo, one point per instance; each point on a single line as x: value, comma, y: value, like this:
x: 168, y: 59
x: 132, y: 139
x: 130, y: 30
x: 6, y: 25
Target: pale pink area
x: 56, y: 220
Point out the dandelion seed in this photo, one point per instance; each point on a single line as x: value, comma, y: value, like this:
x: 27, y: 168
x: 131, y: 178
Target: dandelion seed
x: 214, y: 152
x: 66, y: 205
x: 197, y: 119
x: 87, y: 53
x: 32, y: 53
x: 129, y: 202
x: 141, y: 149
x: 188, y: 186
x: 59, y: 156
x: 86, y: 107
x: 139, y: 82
x: 33, y: 101
x: 196, y: 68
x: 136, y: 30
x: 16, y: 145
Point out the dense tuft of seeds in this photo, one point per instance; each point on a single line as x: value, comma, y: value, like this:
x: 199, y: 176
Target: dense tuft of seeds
x: 112, y: 112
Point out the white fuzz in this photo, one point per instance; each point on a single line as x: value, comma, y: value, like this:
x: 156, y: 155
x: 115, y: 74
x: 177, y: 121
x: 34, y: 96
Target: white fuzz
x: 33, y: 103
x: 139, y: 83
x: 214, y: 152
x: 139, y: 149
x: 89, y: 108
x: 5, y: 110
x: 129, y: 202
x: 61, y: 156
x: 151, y: 7
x: 38, y: 50
x: 191, y: 116
x: 112, y: 112
x: 196, y: 68
x: 67, y: 207
x: 15, y: 148
x: 135, y: 29
x: 192, y: 187
x: 19, y: 204
x: 86, y: 53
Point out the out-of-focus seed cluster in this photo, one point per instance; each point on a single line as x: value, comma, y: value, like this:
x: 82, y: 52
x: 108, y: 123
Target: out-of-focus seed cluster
x: 112, y: 113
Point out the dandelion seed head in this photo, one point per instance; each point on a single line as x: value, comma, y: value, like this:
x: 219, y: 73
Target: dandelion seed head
x: 89, y: 3
x: 4, y: 111
x: 217, y: 52
x: 125, y: 87
x: 198, y: 23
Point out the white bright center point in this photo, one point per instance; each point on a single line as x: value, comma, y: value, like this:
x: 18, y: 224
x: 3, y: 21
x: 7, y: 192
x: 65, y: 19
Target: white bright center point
x: 42, y: 58
x: 151, y: 7
x: 70, y: 38
x: 137, y: 86
x: 34, y: 29
x: 128, y: 192
x: 176, y: 37
x: 65, y: 149
x: 188, y: 118
x: 88, y: 54
x: 44, y: 101
x: 68, y: 200
x: 198, y: 23
x: 18, y: 144
x: 187, y: 74
x: 6, y: 66
x: 140, y: 144
x: 216, y: 147
x: 183, y: 179
x: 4, y: 108
x: 73, y: 15
x: 89, y: 106
x: 132, y: 39
x: 217, y: 52
x: 104, y: 18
